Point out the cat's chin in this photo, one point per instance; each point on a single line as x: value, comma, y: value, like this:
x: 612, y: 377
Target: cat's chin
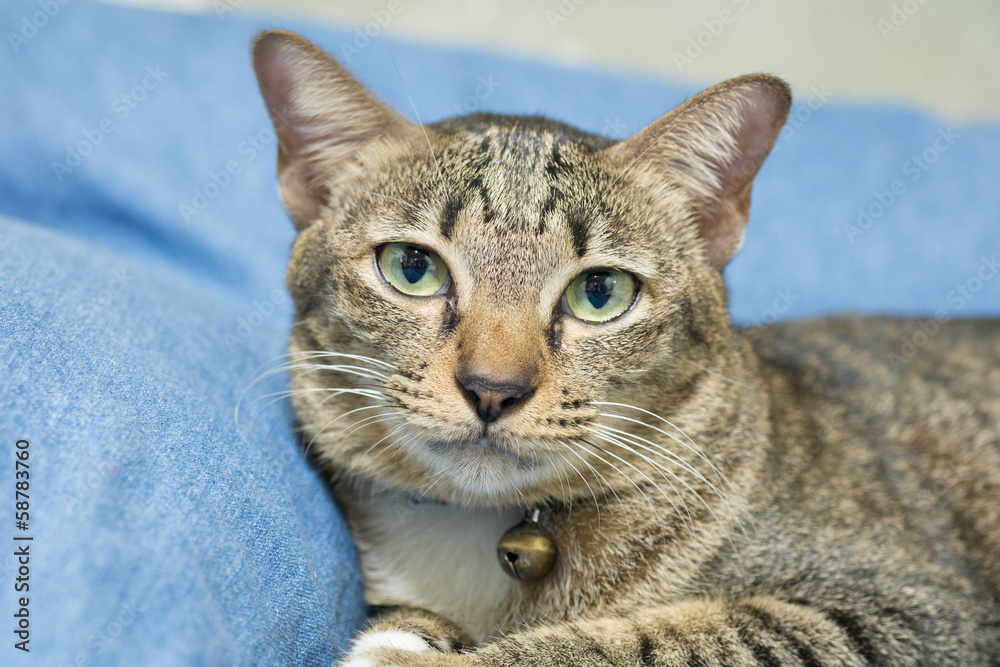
x: 483, y: 450
x: 486, y: 471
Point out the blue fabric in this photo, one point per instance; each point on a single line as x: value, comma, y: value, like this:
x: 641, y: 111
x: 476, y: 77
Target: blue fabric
x: 165, y: 532
x: 141, y: 293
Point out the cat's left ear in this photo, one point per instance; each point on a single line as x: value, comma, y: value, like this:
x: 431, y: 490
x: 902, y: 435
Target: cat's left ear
x: 713, y: 145
x: 322, y: 117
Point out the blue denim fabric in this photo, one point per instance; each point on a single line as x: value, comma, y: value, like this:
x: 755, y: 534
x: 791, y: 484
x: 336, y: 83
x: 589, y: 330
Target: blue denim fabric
x: 165, y: 532
x: 141, y: 294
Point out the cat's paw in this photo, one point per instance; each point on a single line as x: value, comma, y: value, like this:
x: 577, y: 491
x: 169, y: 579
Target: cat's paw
x: 384, y: 648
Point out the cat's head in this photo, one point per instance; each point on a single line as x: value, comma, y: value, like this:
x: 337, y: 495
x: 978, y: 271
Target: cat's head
x: 474, y: 297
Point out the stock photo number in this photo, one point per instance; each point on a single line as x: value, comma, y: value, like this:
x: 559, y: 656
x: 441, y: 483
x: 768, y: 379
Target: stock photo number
x: 22, y: 544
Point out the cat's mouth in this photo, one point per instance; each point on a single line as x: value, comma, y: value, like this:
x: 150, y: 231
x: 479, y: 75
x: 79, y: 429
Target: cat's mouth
x: 487, y: 470
x: 484, y: 451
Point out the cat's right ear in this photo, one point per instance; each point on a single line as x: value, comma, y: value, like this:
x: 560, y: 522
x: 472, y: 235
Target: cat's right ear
x: 713, y: 145
x: 321, y: 115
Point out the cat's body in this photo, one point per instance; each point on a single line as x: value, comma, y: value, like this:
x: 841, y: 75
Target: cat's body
x: 886, y: 525
x: 797, y: 500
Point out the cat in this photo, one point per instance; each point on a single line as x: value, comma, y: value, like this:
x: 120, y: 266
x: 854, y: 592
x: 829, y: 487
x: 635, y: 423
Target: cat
x: 510, y: 330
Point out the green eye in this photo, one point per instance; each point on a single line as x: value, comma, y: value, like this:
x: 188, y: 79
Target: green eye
x: 601, y: 295
x: 412, y: 271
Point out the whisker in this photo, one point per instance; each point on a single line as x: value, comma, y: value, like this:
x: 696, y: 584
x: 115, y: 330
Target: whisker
x: 610, y: 486
x: 567, y: 493
x: 288, y: 393
x: 638, y: 442
x: 368, y: 421
x: 339, y: 417
x: 738, y: 518
x: 437, y: 477
x: 281, y: 395
x: 663, y: 451
x: 629, y: 478
x: 559, y: 473
x: 261, y: 376
x: 314, y: 354
x: 310, y: 355
x: 597, y: 505
x: 423, y: 129
x: 385, y: 437
x: 693, y: 447
x: 684, y: 516
x: 302, y: 370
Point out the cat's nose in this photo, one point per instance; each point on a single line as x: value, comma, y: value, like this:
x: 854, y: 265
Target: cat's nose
x: 491, y: 396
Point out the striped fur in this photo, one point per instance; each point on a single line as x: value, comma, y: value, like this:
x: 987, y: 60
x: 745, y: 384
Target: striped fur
x: 784, y: 496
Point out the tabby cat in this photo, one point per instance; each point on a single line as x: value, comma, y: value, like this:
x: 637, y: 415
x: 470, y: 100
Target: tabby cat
x: 501, y: 315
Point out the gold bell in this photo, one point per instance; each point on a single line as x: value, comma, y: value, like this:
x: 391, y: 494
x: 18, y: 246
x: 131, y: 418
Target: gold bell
x: 525, y: 551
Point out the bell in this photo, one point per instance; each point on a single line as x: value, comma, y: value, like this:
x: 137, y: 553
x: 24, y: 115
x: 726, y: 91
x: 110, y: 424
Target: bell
x: 525, y: 551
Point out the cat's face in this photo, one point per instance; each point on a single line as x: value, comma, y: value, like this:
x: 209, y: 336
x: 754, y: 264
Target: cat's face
x: 473, y: 299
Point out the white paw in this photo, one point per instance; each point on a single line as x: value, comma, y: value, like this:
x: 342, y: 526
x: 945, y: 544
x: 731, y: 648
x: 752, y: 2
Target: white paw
x: 363, y: 653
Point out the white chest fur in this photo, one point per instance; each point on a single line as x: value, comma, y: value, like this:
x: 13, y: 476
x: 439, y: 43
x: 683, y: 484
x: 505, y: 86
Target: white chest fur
x: 437, y: 557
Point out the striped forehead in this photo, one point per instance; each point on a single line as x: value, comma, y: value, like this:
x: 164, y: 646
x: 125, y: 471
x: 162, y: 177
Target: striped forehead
x: 507, y: 208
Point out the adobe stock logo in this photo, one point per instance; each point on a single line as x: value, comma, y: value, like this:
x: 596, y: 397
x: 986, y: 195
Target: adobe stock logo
x: 913, y: 169
x: 363, y: 35
x: 566, y: 9
x: 899, y: 17
x: 958, y: 297
x: 698, y: 43
x: 782, y: 303
x: 262, y: 310
x: 120, y: 279
x: 484, y: 89
x: 217, y: 181
x: 30, y: 25
x: 122, y: 107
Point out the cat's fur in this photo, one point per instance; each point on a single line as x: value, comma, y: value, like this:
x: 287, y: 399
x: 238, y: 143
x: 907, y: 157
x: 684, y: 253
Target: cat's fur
x: 791, y: 501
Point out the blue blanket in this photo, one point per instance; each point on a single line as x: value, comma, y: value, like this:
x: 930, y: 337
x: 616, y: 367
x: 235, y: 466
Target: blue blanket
x: 141, y: 296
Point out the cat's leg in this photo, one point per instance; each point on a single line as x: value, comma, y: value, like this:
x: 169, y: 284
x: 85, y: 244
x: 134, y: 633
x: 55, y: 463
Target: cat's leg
x: 400, y: 633
x: 745, y: 633
x: 749, y: 632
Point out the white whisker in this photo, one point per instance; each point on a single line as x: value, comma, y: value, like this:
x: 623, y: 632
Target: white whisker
x: 413, y: 106
x: 692, y: 446
x: 624, y: 446
x: 597, y: 505
x: 610, y: 486
x: 684, y: 516
x: 665, y: 453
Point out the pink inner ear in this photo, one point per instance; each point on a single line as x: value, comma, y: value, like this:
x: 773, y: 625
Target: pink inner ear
x: 303, y: 199
x: 722, y: 225
x: 713, y: 145
x: 282, y: 62
x: 274, y: 72
x: 761, y: 120
x: 761, y: 113
x: 321, y: 115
